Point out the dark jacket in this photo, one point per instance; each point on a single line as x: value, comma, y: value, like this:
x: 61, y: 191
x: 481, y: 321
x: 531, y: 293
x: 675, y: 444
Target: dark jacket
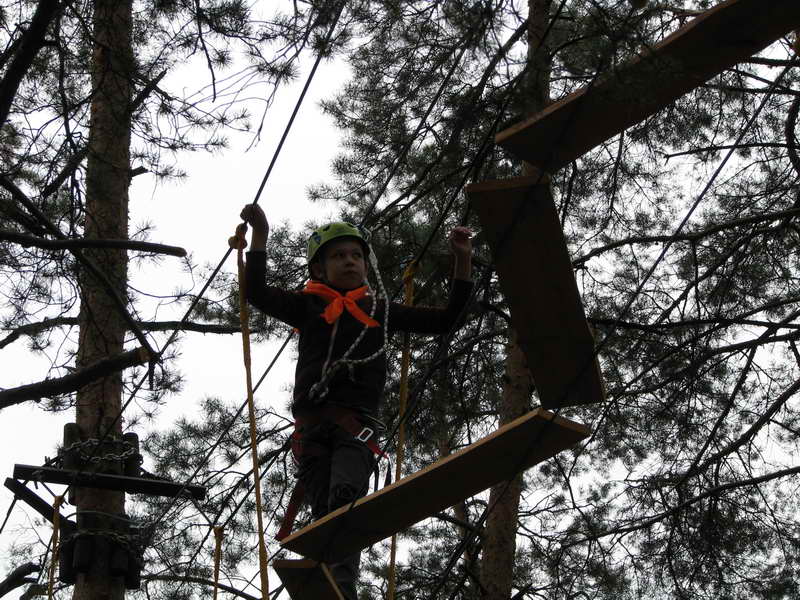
x: 362, y: 386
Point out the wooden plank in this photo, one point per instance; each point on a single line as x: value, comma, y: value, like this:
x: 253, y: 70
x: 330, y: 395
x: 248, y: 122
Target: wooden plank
x: 122, y: 483
x: 307, y: 580
x: 717, y: 40
x: 521, y: 225
x: 519, y: 445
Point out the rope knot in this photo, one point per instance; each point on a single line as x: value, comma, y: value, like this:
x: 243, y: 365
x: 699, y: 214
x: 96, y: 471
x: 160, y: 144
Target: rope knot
x: 238, y: 241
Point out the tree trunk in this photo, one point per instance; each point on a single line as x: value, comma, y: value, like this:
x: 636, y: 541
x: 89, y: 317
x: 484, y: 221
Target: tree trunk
x: 499, y: 544
x: 102, y: 329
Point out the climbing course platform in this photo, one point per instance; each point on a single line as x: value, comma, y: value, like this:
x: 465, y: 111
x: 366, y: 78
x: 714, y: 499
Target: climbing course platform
x: 716, y: 40
x: 105, y: 481
x: 522, y: 228
x: 307, y: 580
x: 519, y: 445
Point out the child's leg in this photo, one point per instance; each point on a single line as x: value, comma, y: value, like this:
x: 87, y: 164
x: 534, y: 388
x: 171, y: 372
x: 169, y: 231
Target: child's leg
x: 350, y: 468
x: 314, y: 469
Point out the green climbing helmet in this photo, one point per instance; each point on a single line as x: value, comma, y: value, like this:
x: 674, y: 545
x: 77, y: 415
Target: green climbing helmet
x: 321, y: 236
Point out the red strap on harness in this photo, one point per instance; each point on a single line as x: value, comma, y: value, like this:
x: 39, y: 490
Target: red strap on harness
x: 295, y: 501
x: 350, y: 423
x: 345, y: 419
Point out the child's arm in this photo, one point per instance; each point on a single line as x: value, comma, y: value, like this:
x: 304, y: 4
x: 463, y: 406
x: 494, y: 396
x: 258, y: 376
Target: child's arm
x: 461, y: 246
x: 289, y: 307
x: 437, y: 320
x: 255, y: 217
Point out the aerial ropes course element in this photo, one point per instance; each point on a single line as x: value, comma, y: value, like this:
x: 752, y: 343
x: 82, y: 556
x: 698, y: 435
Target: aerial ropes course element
x: 239, y: 243
x: 708, y: 45
x: 519, y: 219
x: 307, y: 579
x: 721, y: 37
x: 566, y: 370
x: 493, y: 459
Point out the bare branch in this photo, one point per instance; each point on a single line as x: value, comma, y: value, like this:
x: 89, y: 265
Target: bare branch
x: 769, y: 62
x: 686, y: 237
x: 80, y: 155
x: 728, y: 147
x: 74, y: 381
x: 32, y: 41
x: 18, y: 577
x: 715, y: 491
x: 12, y: 212
x: 23, y: 199
x: 666, y: 326
x: 36, y: 328
x: 751, y: 431
x: 68, y: 244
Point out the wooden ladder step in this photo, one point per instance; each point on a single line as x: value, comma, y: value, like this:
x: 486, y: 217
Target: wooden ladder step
x: 521, y: 225
x: 517, y: 446
x: 307, y: 580
x: 718, y: 39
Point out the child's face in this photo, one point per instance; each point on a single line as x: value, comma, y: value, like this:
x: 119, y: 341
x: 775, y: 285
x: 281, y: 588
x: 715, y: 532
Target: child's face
x: 344, y: 263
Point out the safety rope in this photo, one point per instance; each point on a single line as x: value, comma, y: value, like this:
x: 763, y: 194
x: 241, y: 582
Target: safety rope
x: 239, y: 242
x: 218, y: 535
x: 405, y: 364
x: 57, y: 502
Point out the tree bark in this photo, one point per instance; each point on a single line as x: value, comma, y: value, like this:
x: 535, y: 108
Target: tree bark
x: 499, y: 542
x: 102, y: 329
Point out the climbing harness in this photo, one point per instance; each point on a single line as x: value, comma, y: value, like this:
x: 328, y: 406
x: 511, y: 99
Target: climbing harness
x: 362, y: 427
x: 239, y: 243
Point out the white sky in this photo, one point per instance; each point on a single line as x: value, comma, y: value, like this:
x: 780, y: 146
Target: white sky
x: 198, y: 214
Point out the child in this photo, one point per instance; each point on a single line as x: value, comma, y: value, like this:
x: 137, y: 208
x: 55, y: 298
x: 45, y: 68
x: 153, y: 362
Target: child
x: 341, y: 369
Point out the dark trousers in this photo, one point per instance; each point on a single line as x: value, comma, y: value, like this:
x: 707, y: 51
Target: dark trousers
x: 335, y: 469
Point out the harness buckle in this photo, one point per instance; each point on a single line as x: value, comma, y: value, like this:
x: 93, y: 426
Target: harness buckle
x: 365, y: 434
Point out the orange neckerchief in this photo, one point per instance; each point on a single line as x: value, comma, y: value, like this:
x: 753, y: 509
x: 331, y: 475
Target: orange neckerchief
x: 338, y: 302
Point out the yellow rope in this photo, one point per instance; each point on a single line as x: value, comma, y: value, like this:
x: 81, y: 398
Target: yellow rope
x: 239, y: 243
x: 57, y: 502
x: 408, y: 283
x: 218, y: 535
